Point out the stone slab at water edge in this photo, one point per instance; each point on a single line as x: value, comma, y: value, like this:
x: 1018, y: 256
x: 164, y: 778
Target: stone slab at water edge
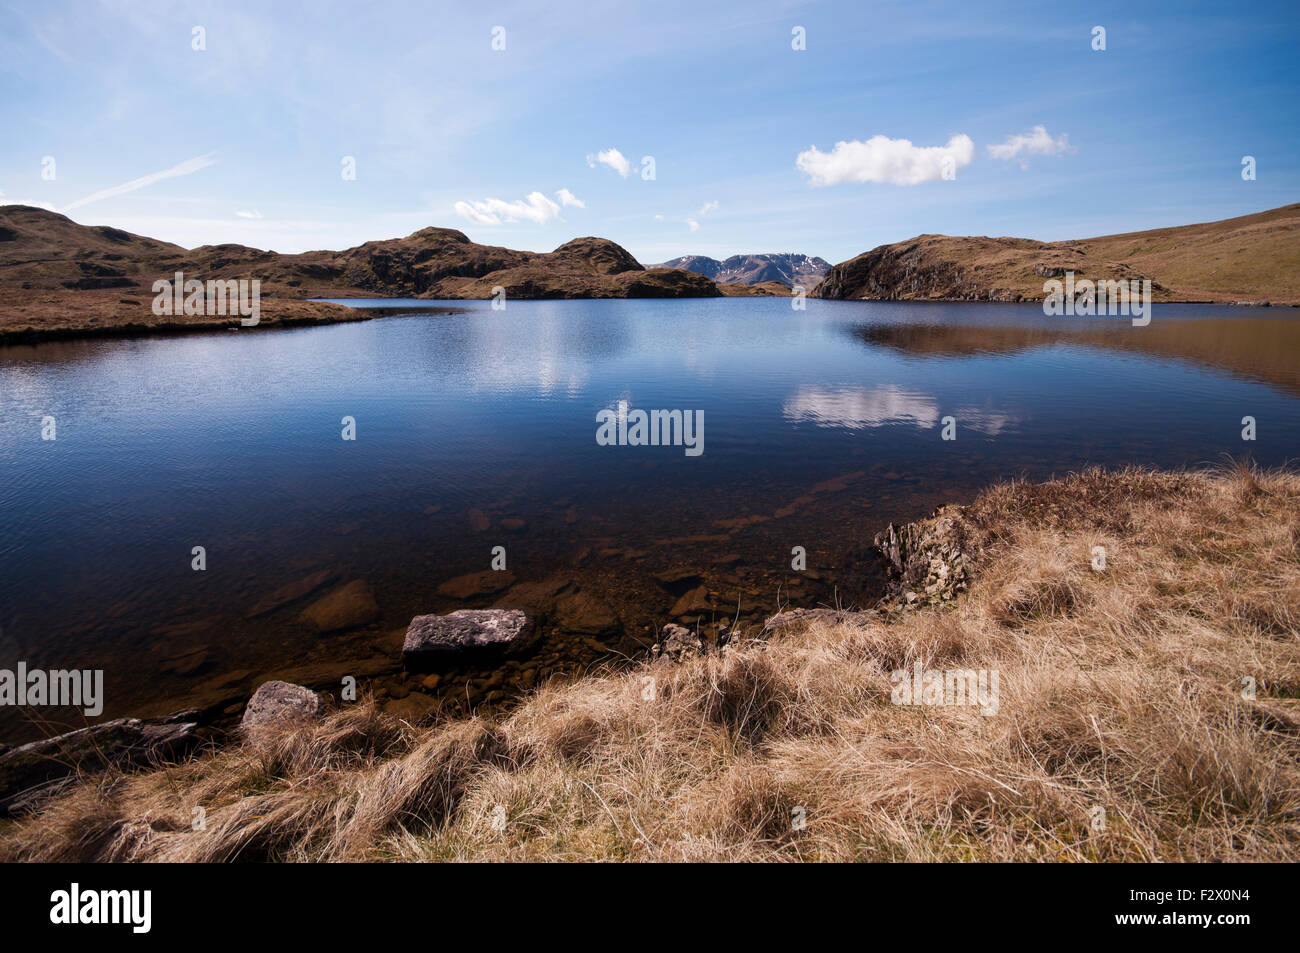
x: 432, y: 640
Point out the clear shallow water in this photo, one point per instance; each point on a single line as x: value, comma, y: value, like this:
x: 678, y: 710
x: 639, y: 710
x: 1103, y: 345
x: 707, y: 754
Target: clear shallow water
x: 819, y: 428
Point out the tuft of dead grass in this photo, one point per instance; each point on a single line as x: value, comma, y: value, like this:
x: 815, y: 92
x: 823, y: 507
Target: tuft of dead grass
x: 1126, y: 727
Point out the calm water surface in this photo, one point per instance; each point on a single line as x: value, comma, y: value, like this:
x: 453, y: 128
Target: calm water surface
x: 820, y: 427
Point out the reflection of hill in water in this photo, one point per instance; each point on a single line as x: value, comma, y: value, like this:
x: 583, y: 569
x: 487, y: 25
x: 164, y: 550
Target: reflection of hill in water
x: 1264, y: 349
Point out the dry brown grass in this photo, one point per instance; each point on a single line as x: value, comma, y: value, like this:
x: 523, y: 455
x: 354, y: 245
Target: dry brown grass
x: 1119, y: 690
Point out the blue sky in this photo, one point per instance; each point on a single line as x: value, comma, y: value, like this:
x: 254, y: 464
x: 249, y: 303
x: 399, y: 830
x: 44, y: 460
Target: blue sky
x: 445, y: 130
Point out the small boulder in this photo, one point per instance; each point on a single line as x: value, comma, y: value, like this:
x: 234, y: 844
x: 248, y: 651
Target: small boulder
x: 432, y: 640
x: 280, y: 704
x: 349, y: 607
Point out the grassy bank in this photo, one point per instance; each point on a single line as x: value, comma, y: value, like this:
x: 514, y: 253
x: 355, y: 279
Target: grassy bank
x: 1120, y: 691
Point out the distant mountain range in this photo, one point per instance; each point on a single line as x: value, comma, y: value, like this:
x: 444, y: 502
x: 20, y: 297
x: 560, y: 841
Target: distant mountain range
x: 787, y: 269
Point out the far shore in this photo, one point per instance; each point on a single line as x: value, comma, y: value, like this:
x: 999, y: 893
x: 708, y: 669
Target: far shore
x: 35, y: 316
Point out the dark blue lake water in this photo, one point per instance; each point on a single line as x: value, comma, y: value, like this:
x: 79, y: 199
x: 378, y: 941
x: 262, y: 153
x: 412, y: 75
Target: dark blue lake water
x: 819, y: 427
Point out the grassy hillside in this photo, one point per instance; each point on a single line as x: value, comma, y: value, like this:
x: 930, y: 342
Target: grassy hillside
x: 1122, y: 729
x: 1251, y: 258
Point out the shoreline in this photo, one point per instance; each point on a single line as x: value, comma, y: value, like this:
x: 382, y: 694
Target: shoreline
x: 315, y: 312
x: 804, y: 714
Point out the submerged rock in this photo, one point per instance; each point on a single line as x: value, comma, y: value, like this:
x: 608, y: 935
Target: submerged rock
x: 582, y: 613
x: 693, y: 602
x: 477, y: 584
x: 412, y: 707
x: 292, y: 592
x: 349, y: 607
x: 433, y: 640
x: 277, y: 704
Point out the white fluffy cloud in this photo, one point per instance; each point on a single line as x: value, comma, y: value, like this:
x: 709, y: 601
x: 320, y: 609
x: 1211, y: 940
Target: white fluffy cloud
x: 612, y: 158
x: 707, y: 207
x: 692, y: 225
x: 881, y: 159
x: 1035, y: 143
x: 249, y: 213
x: 535, y: 208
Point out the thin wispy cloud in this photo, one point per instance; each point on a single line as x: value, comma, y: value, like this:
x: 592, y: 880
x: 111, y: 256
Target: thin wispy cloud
x: 884, y: 160
x: 188, y: 167
x: 612, y: 158
x: 536, y: 207
x: 252, y: 213
x: 706, y: 208
x: 1036, y: 143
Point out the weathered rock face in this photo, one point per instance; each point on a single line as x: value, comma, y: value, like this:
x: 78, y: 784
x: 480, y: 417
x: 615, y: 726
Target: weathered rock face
x: 434, y: 640
x: 347, y: 608
x: 676, y: 644
x: 31, y: 772
x: 927, y: 561
x: 278, y: 704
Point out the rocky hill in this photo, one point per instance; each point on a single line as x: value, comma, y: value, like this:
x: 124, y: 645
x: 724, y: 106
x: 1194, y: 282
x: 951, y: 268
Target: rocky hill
x: 1251, y: 258
x: 786, y: 269
x: 41, y: 250
x: 61, y: 279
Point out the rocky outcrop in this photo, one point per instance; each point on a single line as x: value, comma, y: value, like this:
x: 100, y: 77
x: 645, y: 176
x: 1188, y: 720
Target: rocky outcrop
x: 436, y: 640
x: 676, y: 644
x: 32, y: 772
x: 278, y: 704
x: 927, y: 562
